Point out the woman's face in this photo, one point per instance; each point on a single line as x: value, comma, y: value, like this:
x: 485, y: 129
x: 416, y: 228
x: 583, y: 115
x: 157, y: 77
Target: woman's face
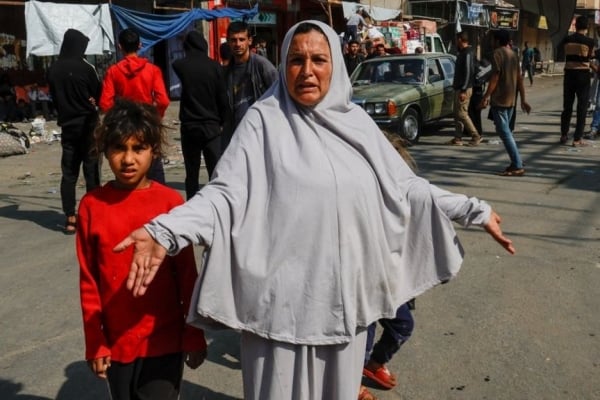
x: 308, y: 68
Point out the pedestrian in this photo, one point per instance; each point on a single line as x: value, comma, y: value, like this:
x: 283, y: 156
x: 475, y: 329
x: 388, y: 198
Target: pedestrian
x: 464, y: 75
x: 579, y: 49
x: 354, y: 24
x: 353, y: 57
x: 75, y: 89
x: 248, y: 76
x: 138, y: 345
x: 305, y: 217
x: 595, y: 125
x: 527, y: 63
x: 506, y: 81
x: 204, y: 108
x: 135, y: 78
x: 261, y: 47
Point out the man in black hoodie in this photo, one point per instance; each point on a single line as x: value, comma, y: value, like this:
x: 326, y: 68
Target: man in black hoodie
x: 204, y: 108
x: 75, y: 89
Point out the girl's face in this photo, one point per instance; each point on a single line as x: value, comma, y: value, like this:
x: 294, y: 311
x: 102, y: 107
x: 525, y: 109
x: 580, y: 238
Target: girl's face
x: 308, y: 68
x: 130, y: 162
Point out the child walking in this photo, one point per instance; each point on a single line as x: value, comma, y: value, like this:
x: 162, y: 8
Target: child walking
x: 139, y: 344
x: 396, y: 331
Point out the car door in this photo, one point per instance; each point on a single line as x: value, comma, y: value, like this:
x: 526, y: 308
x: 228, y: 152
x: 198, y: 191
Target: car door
x: 435, y: 90
x: 447, y: 64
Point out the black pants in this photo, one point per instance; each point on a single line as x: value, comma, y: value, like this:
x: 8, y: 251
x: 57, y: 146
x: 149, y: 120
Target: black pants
x: 474, y: 111
x: 77, y: 145
x: 147, y: 378
x: 197, y: 139
x: 575, y: 84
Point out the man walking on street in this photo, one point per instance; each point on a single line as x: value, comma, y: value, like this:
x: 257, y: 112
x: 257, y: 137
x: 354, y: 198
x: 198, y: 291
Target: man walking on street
x: 464, y: 75
x: 203, y: 108
x: 75, y: 88
x: 248, y: 75
x: 505, y: 82
x: 579, y: 50
x: 137, y: 79
x: 528, y: 63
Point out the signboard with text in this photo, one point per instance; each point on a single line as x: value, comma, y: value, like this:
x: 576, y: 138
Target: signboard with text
x: 504, y: 18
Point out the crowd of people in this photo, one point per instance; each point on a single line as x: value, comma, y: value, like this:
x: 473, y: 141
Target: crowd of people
x: 315, y: 224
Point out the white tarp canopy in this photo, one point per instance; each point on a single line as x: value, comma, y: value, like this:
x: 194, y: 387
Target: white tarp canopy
x: 376, y: 13
x: 46, y: 24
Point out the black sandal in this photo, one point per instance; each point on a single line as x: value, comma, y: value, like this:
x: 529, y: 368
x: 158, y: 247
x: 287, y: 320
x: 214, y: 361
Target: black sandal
x: 70, y: 226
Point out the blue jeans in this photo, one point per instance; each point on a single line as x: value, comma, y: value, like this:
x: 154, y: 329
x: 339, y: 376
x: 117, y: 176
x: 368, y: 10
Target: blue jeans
x: 396, y: 331
x: 501, y: 117
x: 596, y: 116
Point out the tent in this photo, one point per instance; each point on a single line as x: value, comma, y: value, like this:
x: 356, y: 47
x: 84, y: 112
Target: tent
x: 47, y: 22
x: 153, y: 28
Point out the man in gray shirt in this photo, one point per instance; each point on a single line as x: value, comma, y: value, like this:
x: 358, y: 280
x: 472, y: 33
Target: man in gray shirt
x: 248, y: 75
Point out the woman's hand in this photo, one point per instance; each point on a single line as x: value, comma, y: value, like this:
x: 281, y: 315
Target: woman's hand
x: 147, y: 258
x: 493, y: 228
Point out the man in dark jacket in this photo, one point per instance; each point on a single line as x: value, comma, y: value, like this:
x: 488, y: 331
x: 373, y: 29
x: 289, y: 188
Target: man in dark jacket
x: 75, y: 89
x: 463, y: 89
x: 203, y: 108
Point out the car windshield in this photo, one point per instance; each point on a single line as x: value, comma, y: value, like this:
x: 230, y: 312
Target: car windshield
x: 409, y: 71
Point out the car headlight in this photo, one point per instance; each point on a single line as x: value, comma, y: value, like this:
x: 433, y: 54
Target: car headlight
x: 381, y: 108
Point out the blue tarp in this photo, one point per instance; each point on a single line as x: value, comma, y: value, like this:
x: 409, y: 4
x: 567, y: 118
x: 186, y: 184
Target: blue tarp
x: 153, y: 27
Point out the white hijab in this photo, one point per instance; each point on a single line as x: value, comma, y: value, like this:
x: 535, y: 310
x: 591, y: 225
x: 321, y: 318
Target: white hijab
x: 314, y: 223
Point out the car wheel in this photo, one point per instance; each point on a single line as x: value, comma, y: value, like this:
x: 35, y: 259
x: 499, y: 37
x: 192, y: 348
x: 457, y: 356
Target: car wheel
x: 410, y: 125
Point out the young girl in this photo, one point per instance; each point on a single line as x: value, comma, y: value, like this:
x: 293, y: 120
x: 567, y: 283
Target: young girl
x: 138, y: 344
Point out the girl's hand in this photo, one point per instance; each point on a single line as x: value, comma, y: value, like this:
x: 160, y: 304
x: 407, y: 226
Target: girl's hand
x: 194, y: 359
x: 99, y: 366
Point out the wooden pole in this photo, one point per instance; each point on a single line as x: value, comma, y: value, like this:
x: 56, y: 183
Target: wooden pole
x: 329, y: 12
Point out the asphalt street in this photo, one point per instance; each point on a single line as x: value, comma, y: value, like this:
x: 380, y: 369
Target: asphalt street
x: 508, y: 327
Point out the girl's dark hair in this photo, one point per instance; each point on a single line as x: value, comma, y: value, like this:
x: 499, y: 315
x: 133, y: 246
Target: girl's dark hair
x: 126, y: 119
x: 401, y: 145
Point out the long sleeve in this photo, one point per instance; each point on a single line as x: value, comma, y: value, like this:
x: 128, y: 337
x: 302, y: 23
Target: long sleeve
x: 159, y: 93
x: 460, y: 208
x: 107, y: 98
x: 95, y: 341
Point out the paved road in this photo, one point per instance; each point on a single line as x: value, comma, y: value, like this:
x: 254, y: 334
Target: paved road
x: 509, y: 327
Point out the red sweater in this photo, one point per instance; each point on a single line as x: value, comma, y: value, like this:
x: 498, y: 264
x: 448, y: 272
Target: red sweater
x: 136, y: 79
x: 114, y: 322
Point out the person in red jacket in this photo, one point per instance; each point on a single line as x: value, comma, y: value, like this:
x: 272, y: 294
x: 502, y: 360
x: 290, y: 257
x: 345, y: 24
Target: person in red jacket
x: 138, y: 344
x: 137, y: 79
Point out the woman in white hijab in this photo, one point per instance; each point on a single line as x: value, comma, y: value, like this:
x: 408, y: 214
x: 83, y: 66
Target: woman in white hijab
x: 315, y: 227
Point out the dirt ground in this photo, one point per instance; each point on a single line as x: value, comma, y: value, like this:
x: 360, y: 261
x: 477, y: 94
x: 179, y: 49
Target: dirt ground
x: 40, y: 168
